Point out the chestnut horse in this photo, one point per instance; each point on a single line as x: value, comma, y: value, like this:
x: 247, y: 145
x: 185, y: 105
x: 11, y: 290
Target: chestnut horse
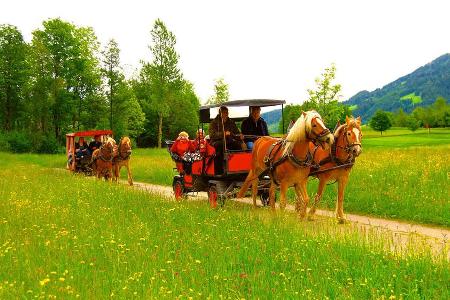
x: 122, y: 159
x: 102, y: 159
x: 287, y: 160
x: 337, y: 163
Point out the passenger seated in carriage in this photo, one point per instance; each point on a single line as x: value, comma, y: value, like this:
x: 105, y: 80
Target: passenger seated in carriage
x: 254, y: 125
x: 81, y: 148
x: 180, y: 152
x: 201, y: 145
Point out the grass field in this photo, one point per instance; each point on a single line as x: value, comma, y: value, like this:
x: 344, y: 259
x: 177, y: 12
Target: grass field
x: 402, y: 175
x: 67, y: 236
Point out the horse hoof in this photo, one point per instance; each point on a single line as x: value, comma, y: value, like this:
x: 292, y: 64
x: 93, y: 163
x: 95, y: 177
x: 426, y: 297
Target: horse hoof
x: 311, y: 218
x: 341, y: 220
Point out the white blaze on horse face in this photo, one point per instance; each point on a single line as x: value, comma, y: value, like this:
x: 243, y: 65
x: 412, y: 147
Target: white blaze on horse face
x: 357, y: 148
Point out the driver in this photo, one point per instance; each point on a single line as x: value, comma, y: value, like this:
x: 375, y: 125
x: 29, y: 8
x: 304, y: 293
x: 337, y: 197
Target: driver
x: 223, y: 130
x: 254, y: 125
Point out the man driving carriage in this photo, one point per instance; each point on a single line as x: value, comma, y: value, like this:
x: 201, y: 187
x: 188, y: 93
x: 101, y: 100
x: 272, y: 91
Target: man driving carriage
x: 224, y: 134
x: 254, y: 125
x: 95, y: 144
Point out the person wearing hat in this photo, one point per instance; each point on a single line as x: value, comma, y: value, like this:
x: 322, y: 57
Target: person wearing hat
x: 224, y: 133
x: 254, y: 125
x: 95, y: 144
x: 181, y: 144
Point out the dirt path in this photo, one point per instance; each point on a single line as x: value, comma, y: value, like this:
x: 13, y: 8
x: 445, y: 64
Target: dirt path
x: 395, y: 226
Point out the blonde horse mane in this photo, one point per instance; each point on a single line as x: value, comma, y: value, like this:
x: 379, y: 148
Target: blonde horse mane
x: 125, y: 140
x: 299, y: 130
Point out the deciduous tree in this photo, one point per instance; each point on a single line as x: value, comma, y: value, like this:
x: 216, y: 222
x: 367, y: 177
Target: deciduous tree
x: 380, y: 121
x: 13, y: 75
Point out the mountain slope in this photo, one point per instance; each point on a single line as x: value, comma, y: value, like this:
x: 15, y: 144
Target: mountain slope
x: 419, y: 88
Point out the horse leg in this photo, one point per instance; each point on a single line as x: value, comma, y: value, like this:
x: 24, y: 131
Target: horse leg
x: 130, y: 177
x: 302, y: 195
x: 317, y: 197
x: 254, y: 191
x: 342, y: 183
x: 116, y: 171
x: 283, y: 190
x: 272, y: 190
x: 245, y: 185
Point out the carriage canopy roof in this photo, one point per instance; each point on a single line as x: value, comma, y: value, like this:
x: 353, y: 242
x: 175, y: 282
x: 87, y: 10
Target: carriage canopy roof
x: 250, y: 102
x: 205, y: 109
x: 90, y: 133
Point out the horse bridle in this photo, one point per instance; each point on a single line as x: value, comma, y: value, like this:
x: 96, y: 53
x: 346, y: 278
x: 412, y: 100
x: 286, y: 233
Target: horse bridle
x: 128, y: 152
x: 350, y: 145
x: 318, y: 137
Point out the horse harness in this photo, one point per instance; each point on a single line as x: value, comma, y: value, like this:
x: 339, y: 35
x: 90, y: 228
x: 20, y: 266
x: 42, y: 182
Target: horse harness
x: 102, y: 157
x: 272, y: 164
x: 121, y: 157
x: 273, y: 150
x: 349, y: 162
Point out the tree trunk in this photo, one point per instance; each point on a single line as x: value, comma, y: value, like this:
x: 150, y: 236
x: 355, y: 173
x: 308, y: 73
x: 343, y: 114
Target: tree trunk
x: 160, y: 129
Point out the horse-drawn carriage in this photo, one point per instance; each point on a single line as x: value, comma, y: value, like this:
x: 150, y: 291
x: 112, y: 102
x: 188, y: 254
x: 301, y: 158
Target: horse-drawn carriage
x: 81, y: 162
x: 202, y: 174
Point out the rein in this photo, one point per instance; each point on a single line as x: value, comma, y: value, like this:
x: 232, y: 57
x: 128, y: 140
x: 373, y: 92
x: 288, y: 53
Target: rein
x: 110, y: 153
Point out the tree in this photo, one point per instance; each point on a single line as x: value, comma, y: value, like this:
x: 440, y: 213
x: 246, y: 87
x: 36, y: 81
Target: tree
x: 426, y: 116
x: 221, y: 92
x: 13, y: 75
x: 412, y: 123
x: 400, y: 118
x: 380, y: 121
x: 325, y: 98
x: 162, y: 76
x: 112, y: 74
x: 65, y: 75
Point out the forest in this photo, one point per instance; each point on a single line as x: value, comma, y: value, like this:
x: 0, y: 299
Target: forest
x: 63, y: 81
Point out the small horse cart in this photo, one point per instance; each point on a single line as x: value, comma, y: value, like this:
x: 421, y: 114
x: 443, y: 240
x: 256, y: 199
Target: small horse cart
x: 82, y: 163
x: 202, y: 175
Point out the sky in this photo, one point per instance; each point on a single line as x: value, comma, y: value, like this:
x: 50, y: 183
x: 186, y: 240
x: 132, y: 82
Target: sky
x: 262, y: 49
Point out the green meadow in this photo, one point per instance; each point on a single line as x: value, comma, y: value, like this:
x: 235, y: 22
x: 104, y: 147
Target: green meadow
x: 400, y: 175
x: 67, y: 236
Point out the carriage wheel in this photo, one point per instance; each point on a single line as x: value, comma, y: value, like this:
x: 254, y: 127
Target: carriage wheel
x: 213, y: 196
x: 178, y: 190
x: 264, y: 198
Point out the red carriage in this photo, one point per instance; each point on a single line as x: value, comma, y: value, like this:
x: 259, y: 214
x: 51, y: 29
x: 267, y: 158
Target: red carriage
x: 202, y: 174
x: 82, y: 163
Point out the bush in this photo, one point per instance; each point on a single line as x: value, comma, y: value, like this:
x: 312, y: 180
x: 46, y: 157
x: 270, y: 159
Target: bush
x: 49, y: 145
x: 20, y: 142
x: 4, y: 144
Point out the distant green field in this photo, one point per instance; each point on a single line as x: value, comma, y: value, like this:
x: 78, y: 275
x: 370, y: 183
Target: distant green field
x: 66, y: 236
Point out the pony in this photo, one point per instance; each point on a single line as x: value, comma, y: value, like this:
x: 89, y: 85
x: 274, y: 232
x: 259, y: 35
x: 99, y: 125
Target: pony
x: 337, y: 163
x: 102, y: 159
x: 122, y: 159
x: 287, y: 160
